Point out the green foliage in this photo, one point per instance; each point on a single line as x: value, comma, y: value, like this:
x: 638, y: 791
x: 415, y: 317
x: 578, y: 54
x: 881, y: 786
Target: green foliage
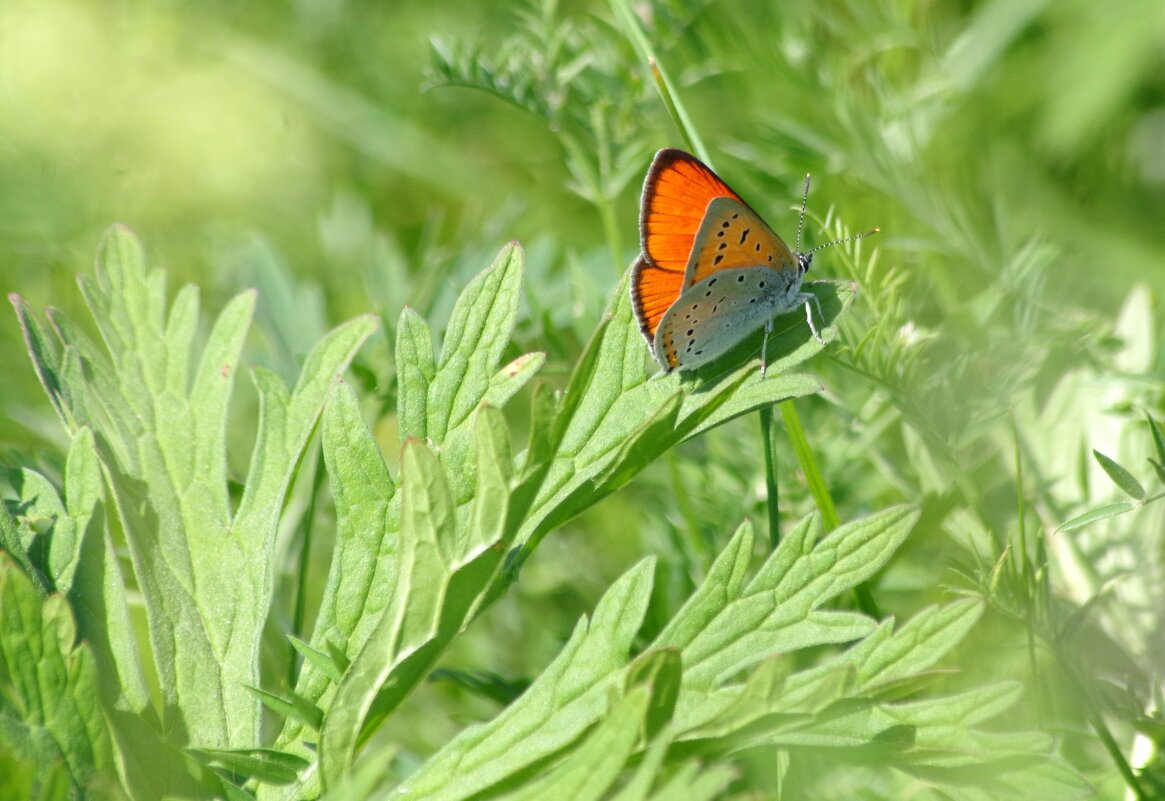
x: 414, y: 567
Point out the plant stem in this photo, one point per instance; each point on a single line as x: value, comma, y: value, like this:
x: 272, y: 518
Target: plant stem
x: 675, y: 107
x: 820, y: 492
x: 770, y: 446
x: 1098, y: 724
x: 306, y: 526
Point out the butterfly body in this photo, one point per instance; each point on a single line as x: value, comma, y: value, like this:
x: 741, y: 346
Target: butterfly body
x: 712, y: 271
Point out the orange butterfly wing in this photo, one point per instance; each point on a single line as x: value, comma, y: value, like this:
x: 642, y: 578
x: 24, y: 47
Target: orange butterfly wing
x: 676, y: 194
x: 691, y: 224
x: 733, y: 235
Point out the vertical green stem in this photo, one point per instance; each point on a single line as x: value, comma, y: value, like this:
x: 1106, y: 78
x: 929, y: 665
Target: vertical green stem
x: 820, y: 492
x: 1028, y: 586
x: 1098, y: 724
x: 604, y: 198
x: 1023, y: 560
x: 611, y: 229
x: 306, y: 526
x: 771, y: 496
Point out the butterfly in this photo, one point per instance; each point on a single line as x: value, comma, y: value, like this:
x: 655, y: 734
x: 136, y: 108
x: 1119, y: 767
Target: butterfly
x: 712, y: 271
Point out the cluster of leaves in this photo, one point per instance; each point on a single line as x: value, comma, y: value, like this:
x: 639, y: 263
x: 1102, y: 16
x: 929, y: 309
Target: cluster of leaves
x: 978, y: 381
x: 415, y: 561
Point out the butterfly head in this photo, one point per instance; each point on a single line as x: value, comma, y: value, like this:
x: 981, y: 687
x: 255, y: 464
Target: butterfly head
x: 803, y: 261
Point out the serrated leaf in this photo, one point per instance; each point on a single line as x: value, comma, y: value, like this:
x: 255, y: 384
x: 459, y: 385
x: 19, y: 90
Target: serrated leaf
x: 161, y: 430
x: 778, y: 609
x: 721, y: 586
x: 622, y: 422
x: 359, y: 583
x: 1120, y: 476
x: 561, y: 703
x: 478, y: 332
x: 925, y: 639
x: 51, y: 682
x: 1093, y: 515
x: 427, y: 557
x: 594, y: 765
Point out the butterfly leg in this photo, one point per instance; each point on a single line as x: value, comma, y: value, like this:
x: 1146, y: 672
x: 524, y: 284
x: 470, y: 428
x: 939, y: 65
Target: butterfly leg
x: 806, y: 297
x: 764, y: 347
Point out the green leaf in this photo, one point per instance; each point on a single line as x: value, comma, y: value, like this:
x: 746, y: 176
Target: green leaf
x: 566, y: 699
x: 264, y: 764
x: 511, y: 378
x: 51, y: 708
x: 487, y: 523
x: 1093, y: 515
x: 359, y: 583
x: 593, y: 766
x: 428, y: 555
x: 325, y: 663
x: 1120, y: 476
x: 479, y: 330
x: 1158, y: 438
x: 159, y: 420
x: 694, y: 783
x: 297, y: 707
x: 660, y: 670
x: 621, y: 422
x: 415, y: 368
x: 778, y: 610
x: 888, y: 656
x: 97, y: 590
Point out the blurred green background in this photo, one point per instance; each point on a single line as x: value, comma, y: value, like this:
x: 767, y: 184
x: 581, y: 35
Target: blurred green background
x: 1012, y: 152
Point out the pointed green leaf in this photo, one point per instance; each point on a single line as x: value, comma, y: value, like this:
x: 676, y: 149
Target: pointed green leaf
x: 593, y: 766
x: 97, y: 590
x: 428, y: 554
x: 264, y: 764
x: 511, y: 378
x: 415, y: 368
x: 1158, y: 437
x: 1120, y: 476
x: 359, y: 583
x: 487, y: 524
x: 297, y: 707
x: 623, y: 422
x: 1093, y: 515
x: 566, y: 699
x: 323, y: 662
x: 479, y: 330
x: 777, y: 610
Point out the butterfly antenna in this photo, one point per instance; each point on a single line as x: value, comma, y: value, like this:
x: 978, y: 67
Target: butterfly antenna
x: 871, y: 232
x: 801, y: 222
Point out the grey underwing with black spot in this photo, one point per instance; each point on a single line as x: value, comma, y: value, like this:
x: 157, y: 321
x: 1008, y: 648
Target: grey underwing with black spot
x: 716, y: 314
